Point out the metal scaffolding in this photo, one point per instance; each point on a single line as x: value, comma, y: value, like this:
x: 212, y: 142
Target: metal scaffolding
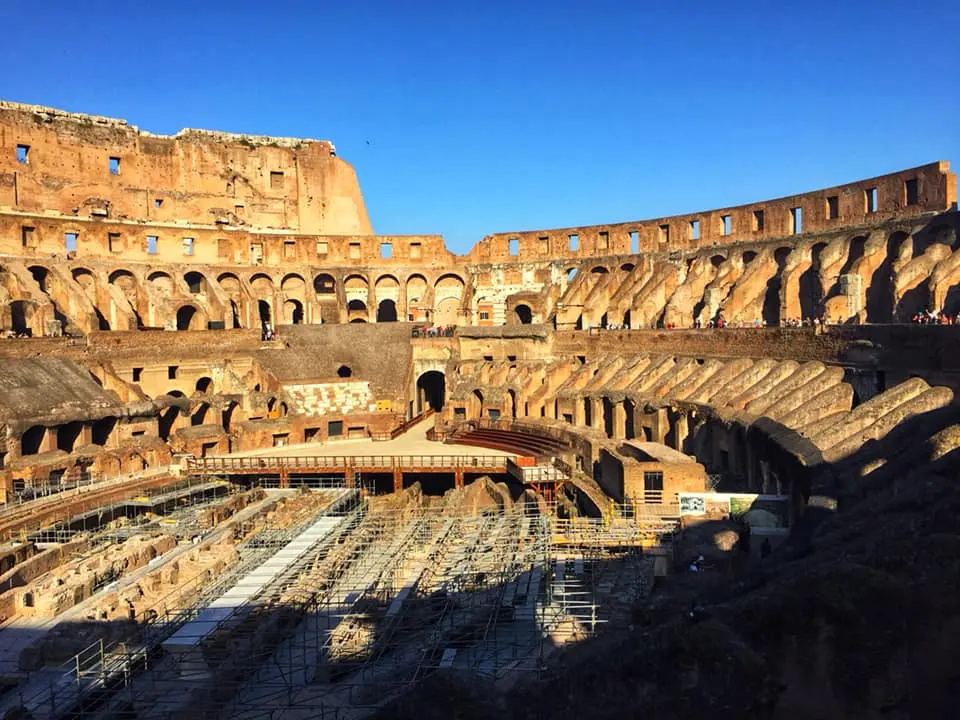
x: 379, y: 600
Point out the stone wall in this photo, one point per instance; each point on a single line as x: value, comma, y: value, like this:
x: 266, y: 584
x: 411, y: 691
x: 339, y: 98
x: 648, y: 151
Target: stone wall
x: 82, y: 166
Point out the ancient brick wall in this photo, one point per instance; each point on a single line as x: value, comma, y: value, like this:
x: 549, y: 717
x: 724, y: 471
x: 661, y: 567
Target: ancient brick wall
x: 86, y: 165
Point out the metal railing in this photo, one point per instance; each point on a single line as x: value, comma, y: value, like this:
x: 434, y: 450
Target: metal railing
x: 311, y: 462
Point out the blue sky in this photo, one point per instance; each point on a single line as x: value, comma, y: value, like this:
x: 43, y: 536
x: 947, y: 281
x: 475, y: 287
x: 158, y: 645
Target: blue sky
x: 499, y: 116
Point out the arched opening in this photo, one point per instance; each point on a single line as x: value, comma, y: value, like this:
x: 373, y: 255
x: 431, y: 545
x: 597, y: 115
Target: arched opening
x: 200, y: 414
x: 40, y: 274
x: 165, y: 422
x: 67, y: 436
x: 447, y: 294
x: 626, y: 319
x: 185, y: 317
x: 629, y: 409
x: 524, y: 314
x: 512, y: 402
x: 293, y: 312
x: 416, y: 296
x: 357, y: 311
x: 196, y: 282
x: 124, y: 278
x: 21, y: 313
x: 431, y: 391
x: 879, y: 303
x: 627, y: 267
x: 324, y: 284
x: 599, y: 270
x: 263, y: 307
x: 226, y: 415
x: 478, y: 401
x: 608, y: 417
x: 204, y: 385
x: 358, y: 320
x: 32, y: 440
x: 717, y: 260
x: 344, y: 371
x: 387, y: 311
x: 811, y: 293
x: 748, y: 257
x: 102, y: 429
x: 571, y: 274
x: 162, y: 282
x: 771, y: 299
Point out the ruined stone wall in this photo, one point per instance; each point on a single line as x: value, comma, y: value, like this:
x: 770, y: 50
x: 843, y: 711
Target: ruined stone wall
x: 821, y: 211
x: 82, y: 166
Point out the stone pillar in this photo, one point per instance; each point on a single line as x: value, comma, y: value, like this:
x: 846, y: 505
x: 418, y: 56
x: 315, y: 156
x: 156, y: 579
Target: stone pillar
x: 681, y: 428
x: 458, y: 478
x: 619, y: 421
x: 660, y: 426
x: 284, y: 477
x: 397, y: 480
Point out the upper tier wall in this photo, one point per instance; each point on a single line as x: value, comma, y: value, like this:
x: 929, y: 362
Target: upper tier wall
x: 83, y: 165
x: 934, y: 190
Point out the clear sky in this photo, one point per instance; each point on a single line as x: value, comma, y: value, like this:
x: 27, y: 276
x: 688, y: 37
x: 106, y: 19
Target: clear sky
x: 466, y: 118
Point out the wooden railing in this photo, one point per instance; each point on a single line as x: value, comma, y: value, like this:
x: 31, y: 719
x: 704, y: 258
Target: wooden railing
x: 401, y: 429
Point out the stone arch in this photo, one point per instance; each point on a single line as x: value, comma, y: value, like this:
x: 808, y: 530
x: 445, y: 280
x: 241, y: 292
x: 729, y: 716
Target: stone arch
x: 84, y: 277
x: 264, y: 312
x: 880, y: 293
x: 771, y: 297
x: 717, y: 260
x: 102, y: 430
x: 292, y: 311
x: 749, y: 256
x: 122, y: 277
x: 199, y: 415
x: 31, y: 440
x: 417, y: 287
x: 166, y: 422
x: 627, y: 267
x: 448, y: 292
x: 293, y: 282
x: 196, y: 282
x: 68, y: 434
x: 599, y: 270
x: 811, y: 293
x: 325, y: 284
x: 226, y: 415
x: 262, y: 285
x: 571, y: 273
x: 230, y: 283
x: 189, y: 318
x: 40, y: 274
x: 356, y: 311
x: 856, y: 250
x: 386, y: 311
x: 477, y: 400
x: 22, y: 316
x: 204, y: 385
x: 162, y: 281
x: 431, y: 391
x: 939, y: 234
x: 524, y: 314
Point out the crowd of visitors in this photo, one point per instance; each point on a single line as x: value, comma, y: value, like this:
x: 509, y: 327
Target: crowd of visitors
x: 935, y: 318
x: 433, y: 331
